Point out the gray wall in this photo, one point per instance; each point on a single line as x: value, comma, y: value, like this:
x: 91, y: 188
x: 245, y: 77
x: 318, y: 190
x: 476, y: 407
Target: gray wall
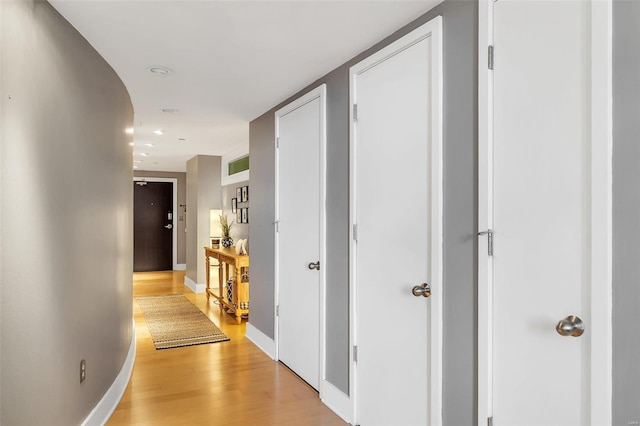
x: 203, y: 194
x: 626, y: 211
x: 261, y: 149
x: 181, y: 222
x: 460, y: 153
x: 239, y: 230
x: 192, y: 219
x: 66, y: 219
x: 1, y: 137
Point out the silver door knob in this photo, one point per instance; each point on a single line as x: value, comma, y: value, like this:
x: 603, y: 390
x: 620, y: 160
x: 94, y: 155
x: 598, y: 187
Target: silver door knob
x: 315, y: 266
x: 570, y: 326
x: 422, y: 290
x: 169, y: 226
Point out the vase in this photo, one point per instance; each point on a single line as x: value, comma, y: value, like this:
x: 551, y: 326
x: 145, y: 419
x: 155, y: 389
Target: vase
x: 227, y: 242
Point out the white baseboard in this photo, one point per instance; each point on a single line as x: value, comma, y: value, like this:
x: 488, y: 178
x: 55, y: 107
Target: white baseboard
x: 261, y: 340
x: 337, y: 401
x: 107, y: 405
x: 193, y: 286
x: 181, y: 267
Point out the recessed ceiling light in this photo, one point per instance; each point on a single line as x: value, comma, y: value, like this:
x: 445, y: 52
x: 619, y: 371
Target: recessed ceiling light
x: 137, y: 161
x: 158, y: 132
x: 135, y: 167
x: 159, y: 70
x: 130, y: 143
x: 129, y: 130
x: 144, y: 154
x: 169, y: 110
x: 149, y: 144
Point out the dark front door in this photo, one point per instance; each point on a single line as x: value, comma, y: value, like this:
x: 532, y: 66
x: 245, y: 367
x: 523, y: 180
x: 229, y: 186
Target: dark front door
x: 152, y: 226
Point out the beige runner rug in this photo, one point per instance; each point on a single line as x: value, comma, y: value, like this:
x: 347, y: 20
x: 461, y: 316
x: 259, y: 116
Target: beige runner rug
x: 174, y: 321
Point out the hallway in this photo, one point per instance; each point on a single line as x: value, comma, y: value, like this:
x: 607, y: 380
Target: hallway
x: 229, y: 383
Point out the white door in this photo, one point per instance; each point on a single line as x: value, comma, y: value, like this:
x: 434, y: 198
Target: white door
x: 300, y: 133
x: 397, y: 214
x: 551, y: 214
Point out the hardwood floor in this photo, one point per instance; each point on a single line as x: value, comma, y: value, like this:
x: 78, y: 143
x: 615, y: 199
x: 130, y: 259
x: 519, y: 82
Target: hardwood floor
x: 228, y: 383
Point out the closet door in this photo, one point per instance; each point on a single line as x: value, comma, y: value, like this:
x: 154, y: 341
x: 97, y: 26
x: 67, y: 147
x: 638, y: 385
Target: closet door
x: 551, y: 265
x: 300, y: 234
x: 397, y: 231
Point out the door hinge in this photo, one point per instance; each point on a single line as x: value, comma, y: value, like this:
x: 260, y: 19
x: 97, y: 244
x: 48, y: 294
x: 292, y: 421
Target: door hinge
x: 277, y: 310
x: 277, y: 225
x: 490, y: 57
x: 355, y: 353
x: 490, y: 421
x: 489, y: 234
x: 355, y: 112
x: 278, y: 142
x: 355, y: 232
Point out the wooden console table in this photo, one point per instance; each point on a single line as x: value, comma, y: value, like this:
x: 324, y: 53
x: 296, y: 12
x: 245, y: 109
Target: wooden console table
x: 227, y: 258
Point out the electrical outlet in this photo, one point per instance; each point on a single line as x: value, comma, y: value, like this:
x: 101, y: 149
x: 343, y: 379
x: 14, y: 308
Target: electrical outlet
x: 83, y: 370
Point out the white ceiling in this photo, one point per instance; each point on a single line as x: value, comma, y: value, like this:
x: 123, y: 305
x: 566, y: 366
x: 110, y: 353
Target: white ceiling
x: 231, y: 61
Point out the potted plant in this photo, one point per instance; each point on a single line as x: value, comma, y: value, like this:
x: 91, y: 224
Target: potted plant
x: 226, y: 241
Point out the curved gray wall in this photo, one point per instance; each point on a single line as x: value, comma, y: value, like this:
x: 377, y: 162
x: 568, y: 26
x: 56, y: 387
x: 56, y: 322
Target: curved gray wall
x: 66, y: 219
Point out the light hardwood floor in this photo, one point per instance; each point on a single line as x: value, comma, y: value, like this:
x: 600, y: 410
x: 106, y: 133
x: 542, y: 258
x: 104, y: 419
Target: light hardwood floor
x: 228, y: 383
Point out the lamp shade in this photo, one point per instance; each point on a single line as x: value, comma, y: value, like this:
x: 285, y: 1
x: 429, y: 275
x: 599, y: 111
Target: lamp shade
x: 215, y: 230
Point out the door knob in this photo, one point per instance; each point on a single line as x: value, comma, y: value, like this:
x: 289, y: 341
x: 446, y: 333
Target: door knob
x: 421, y: 290
x: 169, y: 226
x: 315, y: 266
x: 570, y: 326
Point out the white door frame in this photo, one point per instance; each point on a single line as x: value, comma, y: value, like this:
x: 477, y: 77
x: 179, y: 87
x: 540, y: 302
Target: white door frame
x: 433, y: 29
x: 601, y: 212
x: 174, y: 231
x: 317, y: 93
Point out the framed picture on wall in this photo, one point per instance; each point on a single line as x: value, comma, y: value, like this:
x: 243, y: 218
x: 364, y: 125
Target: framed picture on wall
x: 238, y: 215
x: 234, y: 205
x: 238, y: 194
x: 245, y: 194
x: 245, y: 215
